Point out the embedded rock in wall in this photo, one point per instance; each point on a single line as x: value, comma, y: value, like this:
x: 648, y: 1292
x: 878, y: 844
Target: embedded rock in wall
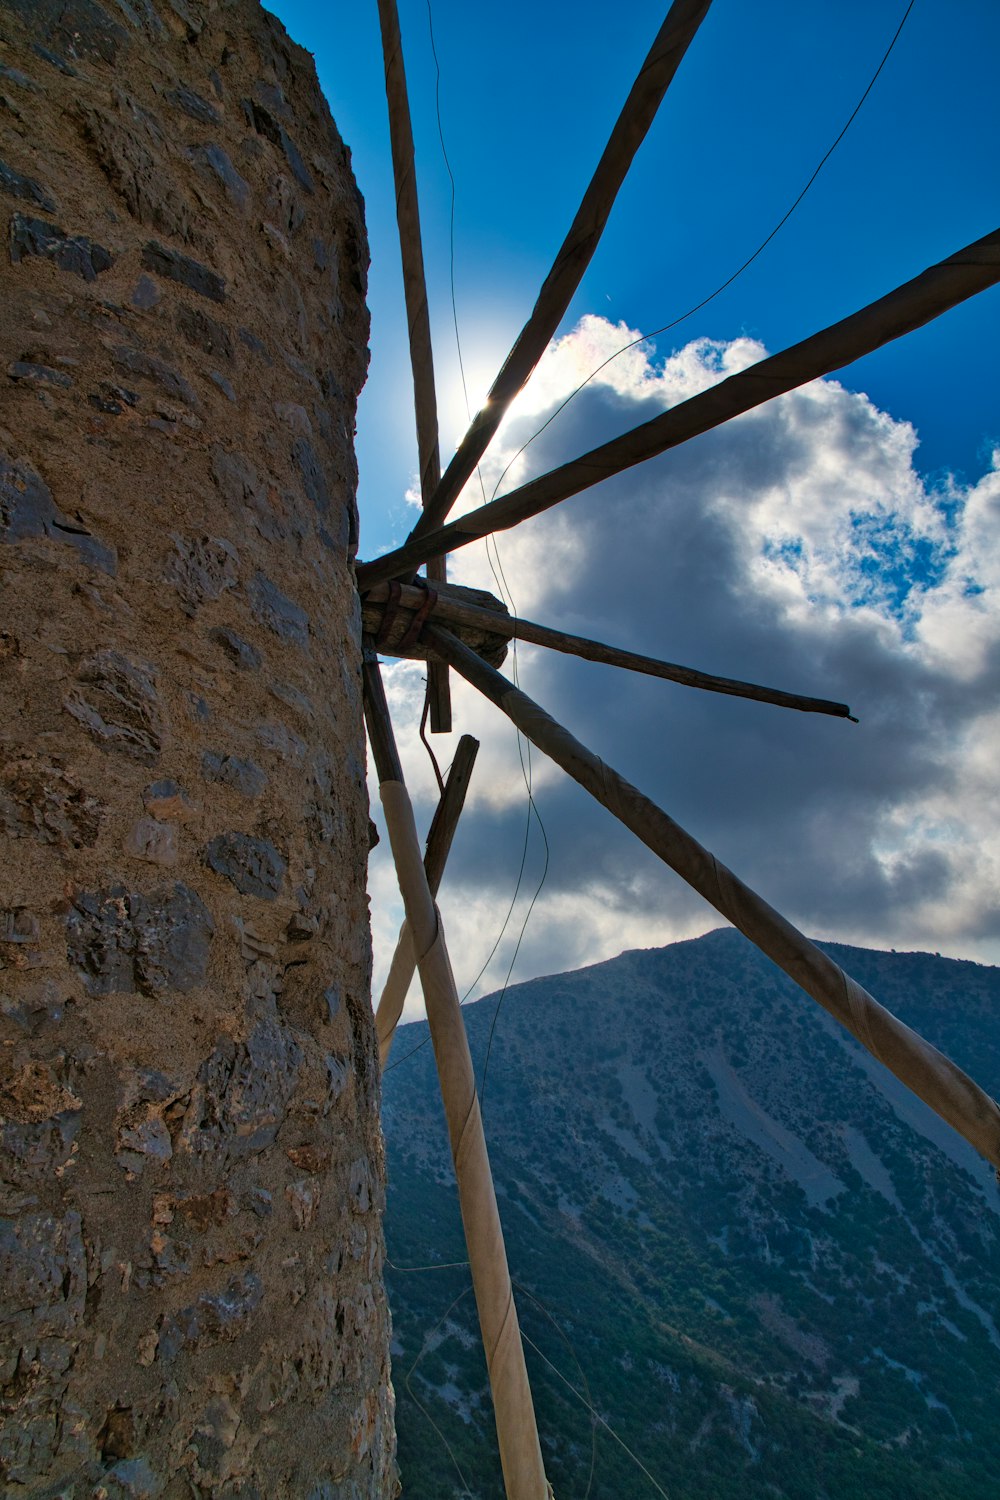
x: 190, y: 1241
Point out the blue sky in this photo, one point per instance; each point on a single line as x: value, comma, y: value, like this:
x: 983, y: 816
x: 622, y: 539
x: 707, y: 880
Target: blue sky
x: 528, y: 96
x: 840, y: 543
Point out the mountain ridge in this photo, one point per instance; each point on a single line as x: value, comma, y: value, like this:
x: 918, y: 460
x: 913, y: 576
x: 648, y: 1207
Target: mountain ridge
x: 700, y: 1173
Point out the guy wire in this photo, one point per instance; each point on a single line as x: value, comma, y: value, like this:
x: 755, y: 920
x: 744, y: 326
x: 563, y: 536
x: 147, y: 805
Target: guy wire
x: 461, y: 367
x: 501, y: 581
x: 437, y: 1265
x: 416, y: 1399
x: 597, y: 1417
x: 645, y: 337
x: 524, y: 754
x: 586, y: 1400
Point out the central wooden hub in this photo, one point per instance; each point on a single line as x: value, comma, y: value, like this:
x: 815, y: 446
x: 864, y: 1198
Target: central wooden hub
x: 392, y: 615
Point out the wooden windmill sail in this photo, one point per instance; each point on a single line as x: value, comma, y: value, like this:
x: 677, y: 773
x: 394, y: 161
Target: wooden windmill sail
x: 407, y: 616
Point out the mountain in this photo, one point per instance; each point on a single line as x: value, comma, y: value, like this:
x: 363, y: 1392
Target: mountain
x: 774, y: 1271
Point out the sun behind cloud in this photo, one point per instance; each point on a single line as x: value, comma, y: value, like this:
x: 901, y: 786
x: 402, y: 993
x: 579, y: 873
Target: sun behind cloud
x: 798, y: 545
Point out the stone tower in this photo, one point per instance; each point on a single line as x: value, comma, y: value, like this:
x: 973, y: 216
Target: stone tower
x: 190, y: 1247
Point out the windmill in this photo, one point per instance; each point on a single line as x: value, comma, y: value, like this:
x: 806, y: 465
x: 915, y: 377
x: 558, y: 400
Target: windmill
x: 460, y: 630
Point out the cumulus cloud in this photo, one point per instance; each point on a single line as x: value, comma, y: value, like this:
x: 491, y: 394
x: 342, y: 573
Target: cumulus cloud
x: 797, y: 546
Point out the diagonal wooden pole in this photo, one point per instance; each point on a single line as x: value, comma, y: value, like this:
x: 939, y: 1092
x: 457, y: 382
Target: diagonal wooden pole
x: 417, y: 313
x: 638, y: 112
x: 927, y: 296
x: 517, y: 1432
x: 932, y: 1076
x: 450, y: 610
x: 436, y: 851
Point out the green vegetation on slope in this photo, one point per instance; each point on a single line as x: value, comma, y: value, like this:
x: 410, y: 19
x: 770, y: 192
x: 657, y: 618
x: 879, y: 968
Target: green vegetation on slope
x: 770, y: 1281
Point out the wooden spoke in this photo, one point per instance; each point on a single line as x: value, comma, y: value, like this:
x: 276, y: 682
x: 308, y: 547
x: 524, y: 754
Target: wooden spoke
x: 932, y: 1076
x: 927, y: 296
x: 490, y: 622
x: 655, y: 76
x: 436, y: 851
x: 417, y: 315
x: 517, y: 1431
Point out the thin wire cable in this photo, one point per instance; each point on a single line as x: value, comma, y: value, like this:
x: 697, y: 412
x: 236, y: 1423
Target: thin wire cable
x: 597, y: 1417
x: 426, y: 742
x: 414, y: 1397
x: 645, y: 337
x: 523, y: 1292
x: 501, y: 583
x: 524, y: 755
x: 517, y: 949
x: 451, y: 179
x: 406, y: 1055
x: 500, y: 577
x: 585, y: 1400
x: 463, y: 998
x: 510, y: 910
x: 443, y: 1265
x: 495, y: 563
x: 532, y: 809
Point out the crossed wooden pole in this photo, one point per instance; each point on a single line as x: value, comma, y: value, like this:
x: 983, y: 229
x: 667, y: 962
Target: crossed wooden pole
x: 432, y: 621
x: 517, y: 1432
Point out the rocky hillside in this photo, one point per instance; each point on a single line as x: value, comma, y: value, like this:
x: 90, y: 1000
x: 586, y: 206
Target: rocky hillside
x: 774, y: 1271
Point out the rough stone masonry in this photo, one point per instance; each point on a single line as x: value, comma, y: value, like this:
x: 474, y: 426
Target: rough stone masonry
x: 190, y: 1242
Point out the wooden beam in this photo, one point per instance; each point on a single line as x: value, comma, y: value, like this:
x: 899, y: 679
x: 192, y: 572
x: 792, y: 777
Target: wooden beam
x: 932, y: 1076
x: 927, y: 296
x: 438, y: 686
x: 377, y: 721
x: 655, y: 76
x: 436, y: 851
x: 417, y: 313
x: 411, y: 249
x: 517, y: 1431
x: 448, y: 811
x: 513, y: 627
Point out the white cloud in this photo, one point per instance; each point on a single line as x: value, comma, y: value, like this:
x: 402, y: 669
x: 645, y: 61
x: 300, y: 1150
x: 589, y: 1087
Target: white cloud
x: 797, y: 545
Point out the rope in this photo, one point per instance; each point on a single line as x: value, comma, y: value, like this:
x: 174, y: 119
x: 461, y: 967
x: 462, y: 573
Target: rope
x: 427, y: 744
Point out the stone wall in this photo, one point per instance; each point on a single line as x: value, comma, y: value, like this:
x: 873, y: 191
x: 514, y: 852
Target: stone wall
x: 190, y: 1254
